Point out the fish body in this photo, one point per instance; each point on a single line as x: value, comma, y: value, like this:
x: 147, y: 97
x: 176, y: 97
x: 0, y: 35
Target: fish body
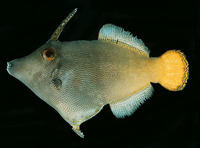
x: 78, y: 78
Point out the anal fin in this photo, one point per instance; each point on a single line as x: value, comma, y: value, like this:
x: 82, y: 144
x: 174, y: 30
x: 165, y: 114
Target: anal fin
x: 128, y: 107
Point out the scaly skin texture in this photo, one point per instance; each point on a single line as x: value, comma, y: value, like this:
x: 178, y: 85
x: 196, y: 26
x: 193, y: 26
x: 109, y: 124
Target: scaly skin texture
x: 83, y: 77
x: 78, y: 78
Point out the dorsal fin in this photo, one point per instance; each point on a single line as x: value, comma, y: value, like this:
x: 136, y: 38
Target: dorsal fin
x: 117, y: 34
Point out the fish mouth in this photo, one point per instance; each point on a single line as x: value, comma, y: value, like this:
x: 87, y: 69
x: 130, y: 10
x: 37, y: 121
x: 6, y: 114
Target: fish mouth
x: 9, y: 67
x: 12, y: 67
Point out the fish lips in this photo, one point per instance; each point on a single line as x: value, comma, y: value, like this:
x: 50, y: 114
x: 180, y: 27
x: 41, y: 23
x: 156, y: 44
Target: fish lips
x: 14, y: 68
x: 10, y: 67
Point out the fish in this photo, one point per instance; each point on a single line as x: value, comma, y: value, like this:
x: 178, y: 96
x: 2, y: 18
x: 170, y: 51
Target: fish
x: 78, y: 78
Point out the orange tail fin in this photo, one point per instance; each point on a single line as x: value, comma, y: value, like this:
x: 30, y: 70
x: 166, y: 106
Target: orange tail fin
x: 175, y: 70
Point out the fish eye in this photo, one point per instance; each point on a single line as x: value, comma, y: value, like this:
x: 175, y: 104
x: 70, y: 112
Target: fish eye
x: 49, y: 54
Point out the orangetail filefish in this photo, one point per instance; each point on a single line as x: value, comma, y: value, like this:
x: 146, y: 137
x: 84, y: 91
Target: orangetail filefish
x: 78, y: 78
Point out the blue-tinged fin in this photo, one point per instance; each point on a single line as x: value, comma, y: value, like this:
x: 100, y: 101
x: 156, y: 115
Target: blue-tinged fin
x: 117, y: 34
x: 128, y: 106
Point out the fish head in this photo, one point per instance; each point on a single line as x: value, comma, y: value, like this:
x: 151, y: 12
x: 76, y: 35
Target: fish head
x: 38, y: 69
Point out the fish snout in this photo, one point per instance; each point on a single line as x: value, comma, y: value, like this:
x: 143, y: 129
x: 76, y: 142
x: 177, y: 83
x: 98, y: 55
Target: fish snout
x: 23, y: 68
x: 14, y: 67
x: 10, y: 66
